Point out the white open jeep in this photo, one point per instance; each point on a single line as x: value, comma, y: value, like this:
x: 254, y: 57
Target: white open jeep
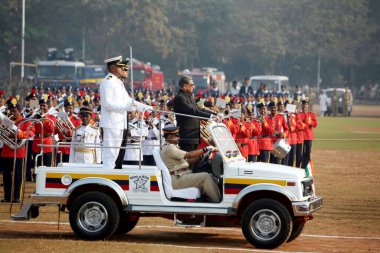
x: 270, y: 202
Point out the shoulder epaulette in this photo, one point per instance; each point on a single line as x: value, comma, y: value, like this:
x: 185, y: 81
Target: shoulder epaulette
x: 109, y: 77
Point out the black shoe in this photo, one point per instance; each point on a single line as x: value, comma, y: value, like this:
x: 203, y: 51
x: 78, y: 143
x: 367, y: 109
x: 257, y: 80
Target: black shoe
x: 16, y: 201
x: 5, y: 201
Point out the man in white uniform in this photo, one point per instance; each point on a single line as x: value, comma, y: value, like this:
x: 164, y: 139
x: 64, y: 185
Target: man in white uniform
x: 115, y: 104
x: 82, y: 135
x: 323, y: 102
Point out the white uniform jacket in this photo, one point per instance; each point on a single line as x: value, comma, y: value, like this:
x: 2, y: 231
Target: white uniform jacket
x: 115, y: 103
x: 79, y: 153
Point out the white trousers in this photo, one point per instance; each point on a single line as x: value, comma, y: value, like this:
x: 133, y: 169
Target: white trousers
x: 111, y: 138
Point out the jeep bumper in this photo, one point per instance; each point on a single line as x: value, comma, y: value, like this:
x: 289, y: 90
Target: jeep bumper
x: 304, y: 208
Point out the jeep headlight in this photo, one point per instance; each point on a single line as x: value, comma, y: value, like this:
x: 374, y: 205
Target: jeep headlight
x: 308, y: 188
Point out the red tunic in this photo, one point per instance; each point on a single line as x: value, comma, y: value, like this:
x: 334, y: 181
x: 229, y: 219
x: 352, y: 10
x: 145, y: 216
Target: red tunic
x: 310, y: 122
x: 253, y: 143
x: 23, y: 133
x: 242, y: 137
x: 300, y: 129
x: 292, y: 138
x: 280, y: 127
x: 232, y: 125
x: 267, y: 130
x: 47, y: 137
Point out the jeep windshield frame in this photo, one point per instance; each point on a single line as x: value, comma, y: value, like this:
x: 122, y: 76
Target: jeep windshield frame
x: 226, y: 144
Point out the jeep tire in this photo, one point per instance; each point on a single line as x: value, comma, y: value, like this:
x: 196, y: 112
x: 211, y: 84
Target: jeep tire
x: 94, y: 216
x: 127, y: 223
x: 296, y: 230
x: 266, y: 223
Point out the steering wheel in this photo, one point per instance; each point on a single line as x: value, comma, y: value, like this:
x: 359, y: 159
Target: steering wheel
x: 206, y: 156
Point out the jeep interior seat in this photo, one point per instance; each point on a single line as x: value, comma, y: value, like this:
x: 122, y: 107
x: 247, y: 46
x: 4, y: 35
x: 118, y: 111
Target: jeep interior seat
x: 186, y: 193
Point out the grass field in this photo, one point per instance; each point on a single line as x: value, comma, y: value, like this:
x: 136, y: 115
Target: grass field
x: 352, y: 133
x: 346, y: 160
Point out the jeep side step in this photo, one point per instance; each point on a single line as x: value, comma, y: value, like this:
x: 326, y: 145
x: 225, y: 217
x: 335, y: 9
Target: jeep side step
x: 24, y: 213
x: 192, y: 222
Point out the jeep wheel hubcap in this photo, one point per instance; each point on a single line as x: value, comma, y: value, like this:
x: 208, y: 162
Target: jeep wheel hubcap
x: 265, y: 224
x: 92, y: 216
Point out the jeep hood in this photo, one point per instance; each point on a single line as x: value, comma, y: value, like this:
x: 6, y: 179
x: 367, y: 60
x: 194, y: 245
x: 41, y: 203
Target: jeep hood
x: 269, y: 170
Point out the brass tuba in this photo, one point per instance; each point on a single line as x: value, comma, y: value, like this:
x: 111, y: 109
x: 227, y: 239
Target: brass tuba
x: 7, y: 132
x: 63, y: 124
x: 205, y: 133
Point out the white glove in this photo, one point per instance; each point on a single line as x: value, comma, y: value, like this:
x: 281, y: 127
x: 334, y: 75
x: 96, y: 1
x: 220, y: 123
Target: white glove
x: 210, y: 148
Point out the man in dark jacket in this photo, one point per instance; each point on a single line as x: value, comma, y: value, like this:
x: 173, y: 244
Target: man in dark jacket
x: 184, y: 103
x: 246, y: 88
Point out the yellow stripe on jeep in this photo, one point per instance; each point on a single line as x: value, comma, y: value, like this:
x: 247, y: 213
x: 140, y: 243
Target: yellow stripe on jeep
x: 80, y: 176
x: 254, y: 181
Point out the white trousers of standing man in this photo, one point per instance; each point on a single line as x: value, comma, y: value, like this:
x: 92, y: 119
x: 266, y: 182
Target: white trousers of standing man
x: 112, y: 139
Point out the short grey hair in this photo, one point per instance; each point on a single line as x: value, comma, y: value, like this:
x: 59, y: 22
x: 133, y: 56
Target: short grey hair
x: 184, y: 80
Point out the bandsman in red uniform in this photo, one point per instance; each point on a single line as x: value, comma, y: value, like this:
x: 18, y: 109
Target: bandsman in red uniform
x: 232, y: 125
x: 292, y: 137
x: 300, y: 137
x: 67, y: 131
x: 281, y: 110
x: 310, y: 121
x: 280, y: 128
x: 44, y: 136
x: 267, y: 130
x: 243, y: 134
x: 253, y: 143
x: 7, y: 155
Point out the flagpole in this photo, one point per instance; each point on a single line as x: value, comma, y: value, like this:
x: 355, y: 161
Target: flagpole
x: 131, y: 67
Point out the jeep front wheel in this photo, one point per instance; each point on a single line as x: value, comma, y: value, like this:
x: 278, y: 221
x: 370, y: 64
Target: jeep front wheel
x: 296, y: 231
x: 266, y: 223
x: 94, y: 216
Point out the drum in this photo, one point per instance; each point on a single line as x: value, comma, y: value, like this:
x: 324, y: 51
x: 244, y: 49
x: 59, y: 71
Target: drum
x: 281, y: 148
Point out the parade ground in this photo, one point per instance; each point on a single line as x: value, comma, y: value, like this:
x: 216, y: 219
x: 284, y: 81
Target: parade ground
x: 347, y: 174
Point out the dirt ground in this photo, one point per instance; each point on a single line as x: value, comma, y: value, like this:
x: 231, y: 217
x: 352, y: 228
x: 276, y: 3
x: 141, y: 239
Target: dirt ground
x: 349, y: 221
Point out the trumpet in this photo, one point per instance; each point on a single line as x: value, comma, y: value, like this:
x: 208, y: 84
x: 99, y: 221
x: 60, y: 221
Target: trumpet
x: 7, y: 131
x: 52, y: 111
x: 259, y: 118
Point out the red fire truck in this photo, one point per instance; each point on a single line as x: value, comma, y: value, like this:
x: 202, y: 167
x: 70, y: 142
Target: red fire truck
x: 203, y: 77
x: 147, y: 76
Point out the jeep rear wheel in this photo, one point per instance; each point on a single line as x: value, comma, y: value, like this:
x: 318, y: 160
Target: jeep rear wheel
x: 94, y: 216
x: 266, y: 223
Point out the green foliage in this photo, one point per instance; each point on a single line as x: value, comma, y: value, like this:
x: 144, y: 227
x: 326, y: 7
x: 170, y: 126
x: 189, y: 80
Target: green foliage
x: 242, y: 37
